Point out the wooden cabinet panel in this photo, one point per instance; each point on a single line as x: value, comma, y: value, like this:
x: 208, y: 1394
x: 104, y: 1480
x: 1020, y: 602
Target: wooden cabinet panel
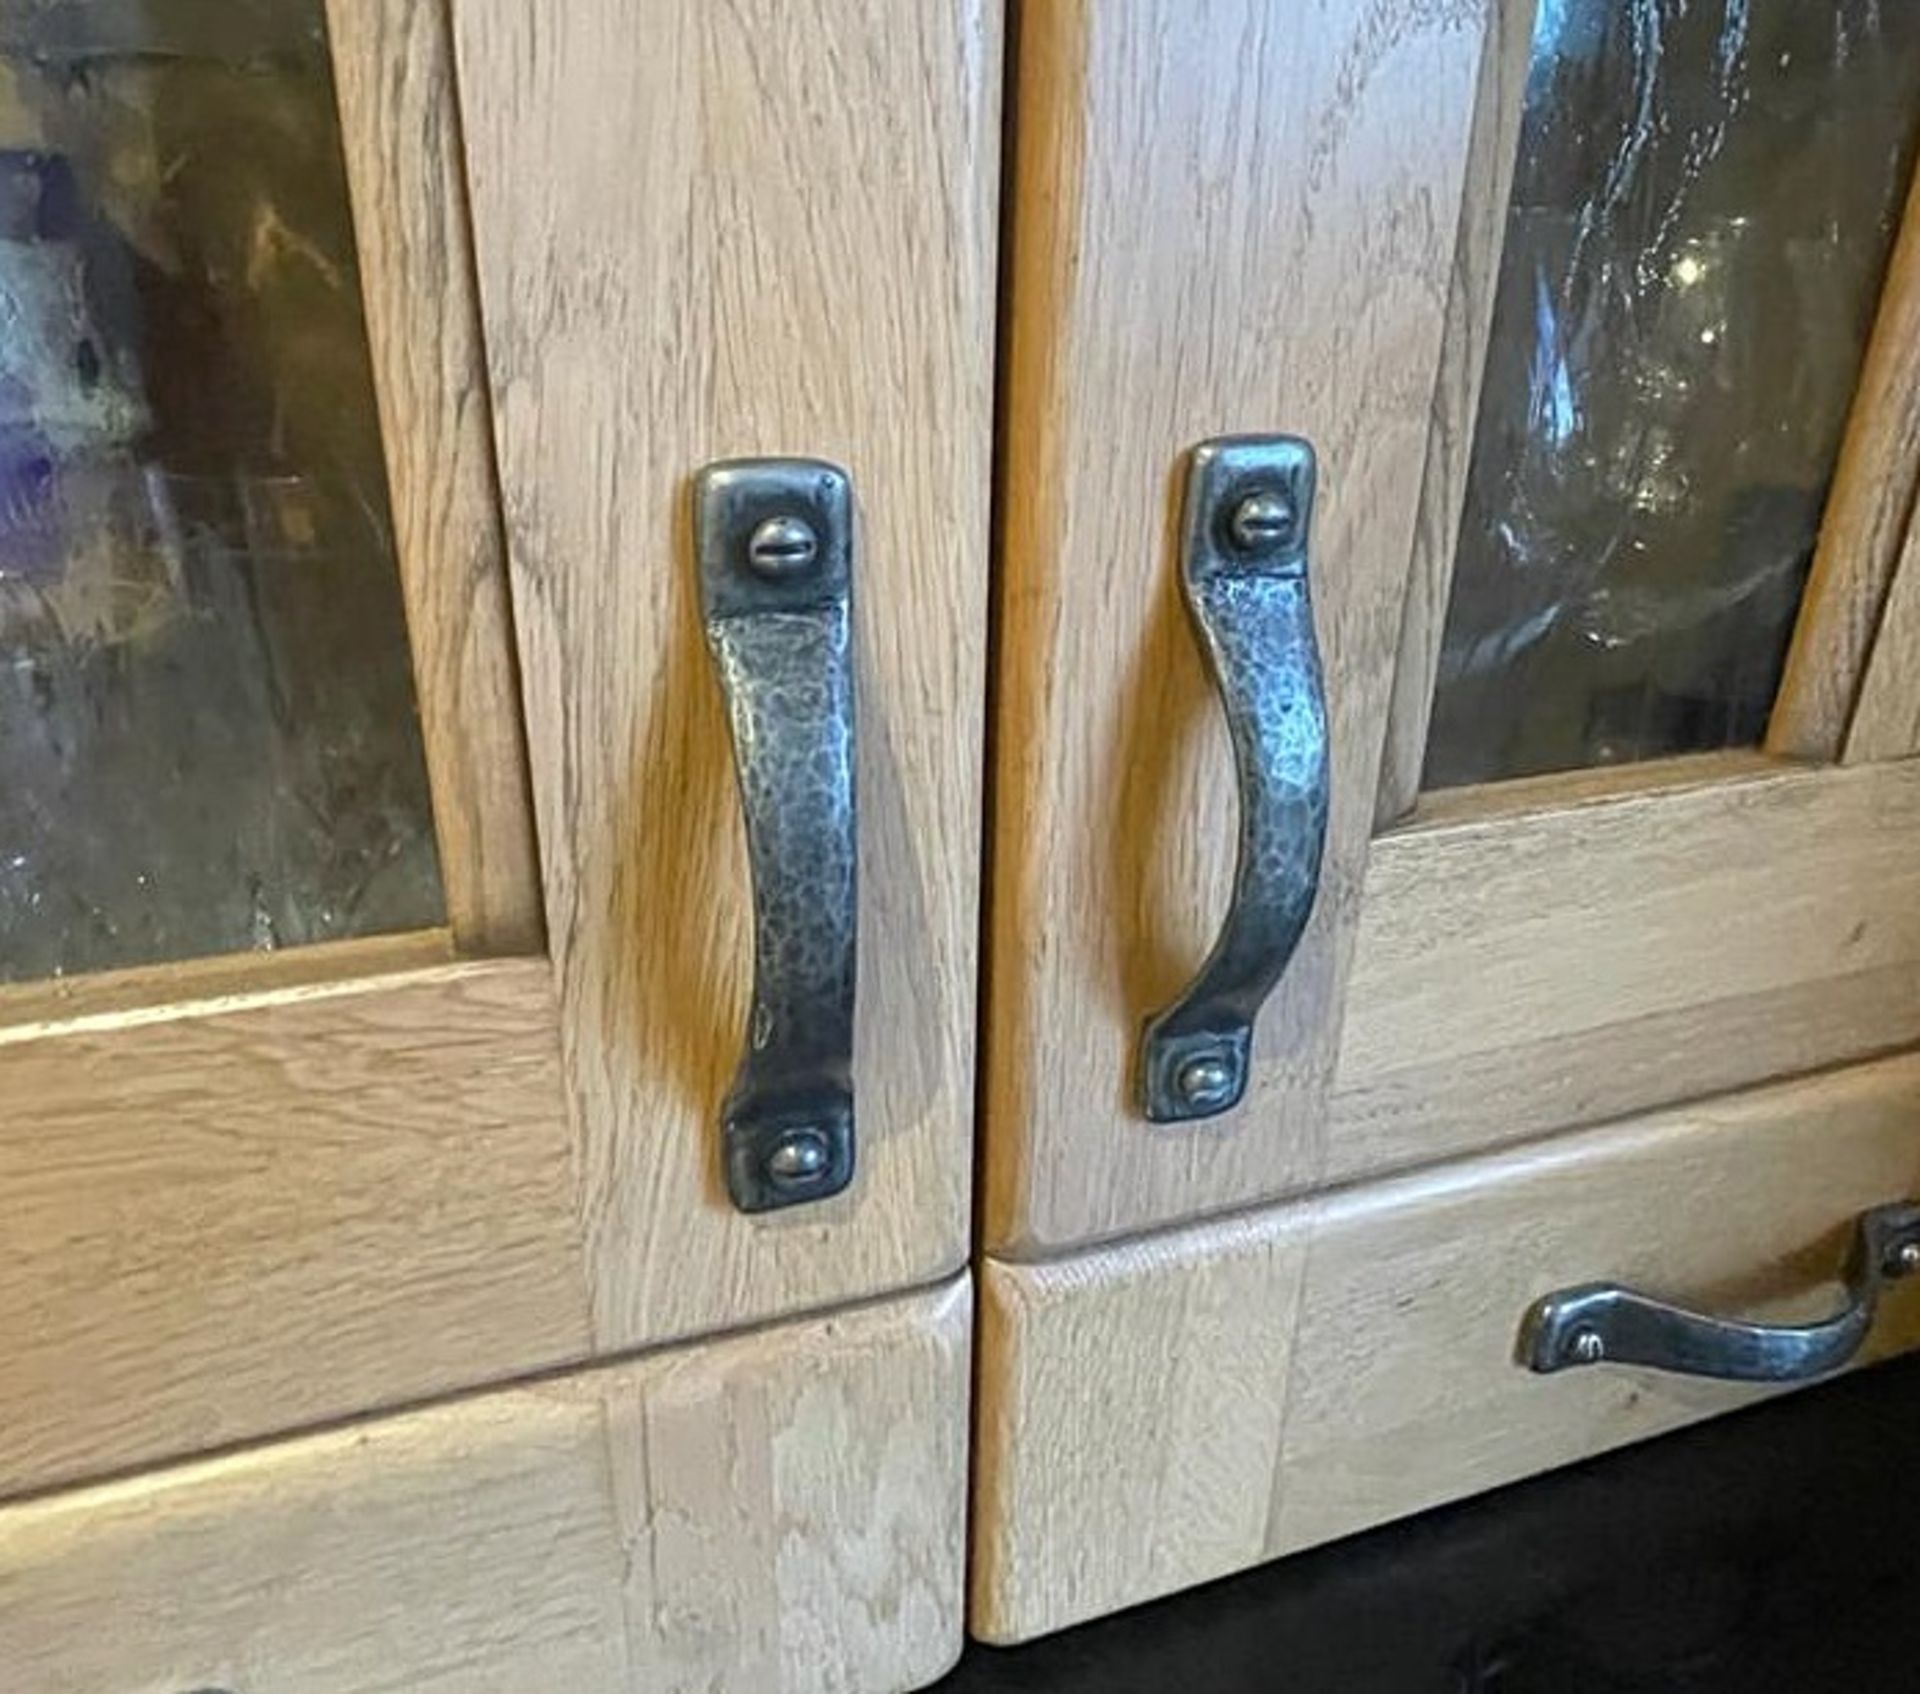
x: 1224, y: 220
x: 1161, y: 1412
x: 238, y: 1214
x: 706, y: 231
x: 769, y: 1514
x: 1538, y: 955
x: 251, y: 1192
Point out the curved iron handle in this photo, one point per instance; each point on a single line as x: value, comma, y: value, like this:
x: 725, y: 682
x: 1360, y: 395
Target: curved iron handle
x: 774, y: 542
x: 1243, y: 567
x: 1603, y: 1323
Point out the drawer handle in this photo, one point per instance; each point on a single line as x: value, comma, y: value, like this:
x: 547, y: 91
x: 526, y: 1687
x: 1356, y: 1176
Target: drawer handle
x: 1243, y: 571
x: 774, y: 543
x: 1602, y: 1323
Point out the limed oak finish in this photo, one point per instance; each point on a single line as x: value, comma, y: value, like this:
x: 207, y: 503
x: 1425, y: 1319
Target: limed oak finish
x: 776, y: 1513
x: 707, y: 231
x: 242, y: 1211
x: 1538, y: 955
x: 1222, y: 222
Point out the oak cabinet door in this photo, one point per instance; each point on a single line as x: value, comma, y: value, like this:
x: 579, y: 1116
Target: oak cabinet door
x: 375, y: 925
x: 1602, y: 341
x: 1582, y: 603
x: 364, y: 1036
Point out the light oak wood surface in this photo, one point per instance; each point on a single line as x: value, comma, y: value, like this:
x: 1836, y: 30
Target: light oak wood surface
x: 1223, y: 221
x: 160, y: 989
x: 393, y: 69
x: 1865, y: 523
x: 1161, y: 1412
x: 232, y: 1215
x: 703, y: 231
x: 1886, y: 722
x: 1542, y: 954
x: 1498, y: 103
x: 776, y: 1513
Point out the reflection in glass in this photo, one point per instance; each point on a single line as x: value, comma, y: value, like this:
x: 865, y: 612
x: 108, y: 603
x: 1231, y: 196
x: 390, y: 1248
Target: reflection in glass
x: 208, y: 736
x: 1704, y: 199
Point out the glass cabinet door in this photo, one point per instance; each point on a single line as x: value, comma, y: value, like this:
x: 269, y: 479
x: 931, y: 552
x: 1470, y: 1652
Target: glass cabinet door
x: 209, y: 739
x: 1574, y: 446
x: 356, y: 360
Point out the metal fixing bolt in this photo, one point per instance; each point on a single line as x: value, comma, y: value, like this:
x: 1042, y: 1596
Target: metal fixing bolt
x: 1206, y: 1080
x: 1586, y: 1347
x: 782, y: 547
x: 1263, y: 522
x: 798, y: 1157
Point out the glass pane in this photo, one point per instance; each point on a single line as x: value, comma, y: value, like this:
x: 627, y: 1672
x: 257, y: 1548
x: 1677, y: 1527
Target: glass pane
x: 1704, y: 200
x: 208, y: 734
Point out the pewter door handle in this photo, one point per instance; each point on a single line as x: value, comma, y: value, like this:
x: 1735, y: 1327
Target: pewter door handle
x: 775, y: 549
x: 1603, y: 1323
x: 1243, y: 569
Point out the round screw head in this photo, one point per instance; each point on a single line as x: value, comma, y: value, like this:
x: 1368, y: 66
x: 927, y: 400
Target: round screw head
x: 1586, y: 1347
x: 1263, y: 522
x: 1206, y: 1080
x: 783, y: 547
x: 800, y: 1156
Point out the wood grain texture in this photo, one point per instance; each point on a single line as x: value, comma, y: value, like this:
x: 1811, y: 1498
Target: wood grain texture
x: 1162, y: 1412
x: 1865, y: 522
x: 776, y: 1513
x: 1886, y: 722
x: 161, y: 989
x: 1223, y: 221
x: 704, y: 231
x: 1538, y: 957
x: 231, y: 1216
x: 400, y: 123
x: 1497, y: 106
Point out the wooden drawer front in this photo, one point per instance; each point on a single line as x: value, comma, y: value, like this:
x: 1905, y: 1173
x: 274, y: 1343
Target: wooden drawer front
x: 1168, y: 1410
x: 776, y: 1511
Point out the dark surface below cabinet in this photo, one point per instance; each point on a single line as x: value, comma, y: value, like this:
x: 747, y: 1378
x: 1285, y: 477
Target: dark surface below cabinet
x: 1778, y: 1549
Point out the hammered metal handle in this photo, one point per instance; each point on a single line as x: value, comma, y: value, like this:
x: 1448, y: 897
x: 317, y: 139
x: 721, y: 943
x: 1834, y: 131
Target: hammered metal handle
x: 774, y: 543
x: 1243, y: 569
x: 1603, y: 1323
